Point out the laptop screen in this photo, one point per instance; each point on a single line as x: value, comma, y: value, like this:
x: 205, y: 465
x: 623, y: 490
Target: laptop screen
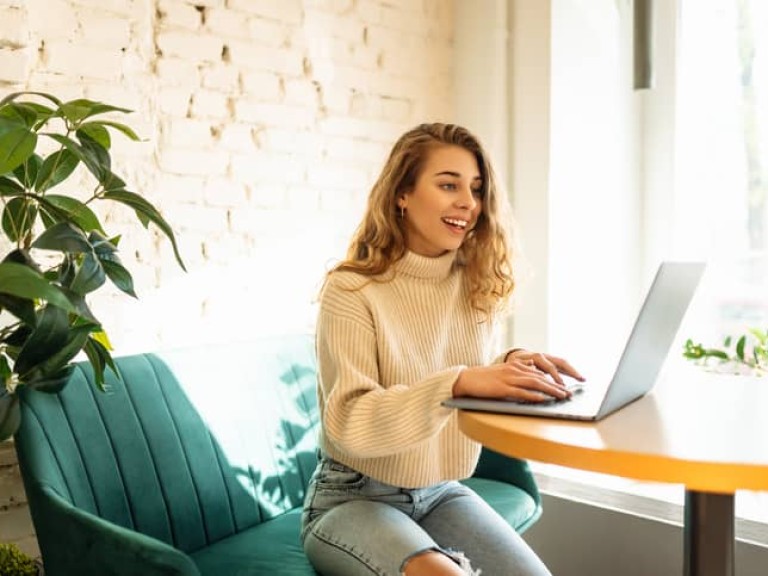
x: 653, y: 333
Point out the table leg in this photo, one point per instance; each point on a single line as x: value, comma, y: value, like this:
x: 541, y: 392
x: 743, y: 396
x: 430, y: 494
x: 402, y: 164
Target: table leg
x: 709, y: 534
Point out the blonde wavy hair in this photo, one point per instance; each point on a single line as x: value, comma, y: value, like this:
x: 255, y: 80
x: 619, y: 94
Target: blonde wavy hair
x: 379, y: 240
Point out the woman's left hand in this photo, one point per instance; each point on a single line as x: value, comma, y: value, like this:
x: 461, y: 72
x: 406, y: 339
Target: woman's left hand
x: 546, y: 363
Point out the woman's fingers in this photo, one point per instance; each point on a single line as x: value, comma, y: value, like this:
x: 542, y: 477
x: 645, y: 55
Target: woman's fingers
x: 520, y: 378
x: 566, y: 368
x: 554, y: 366
x: 549, y: 365
x: 536, y: 384
x: 543, y: 364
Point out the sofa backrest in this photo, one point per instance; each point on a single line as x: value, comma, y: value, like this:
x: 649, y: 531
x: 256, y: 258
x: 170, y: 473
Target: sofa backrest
x: 189, y: 446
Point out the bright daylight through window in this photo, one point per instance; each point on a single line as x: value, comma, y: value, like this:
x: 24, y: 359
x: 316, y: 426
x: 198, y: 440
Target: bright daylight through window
x: 711, y: 200
x: 721, y: 166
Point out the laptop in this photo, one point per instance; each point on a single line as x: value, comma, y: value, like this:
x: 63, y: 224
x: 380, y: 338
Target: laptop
x: 640, y: 362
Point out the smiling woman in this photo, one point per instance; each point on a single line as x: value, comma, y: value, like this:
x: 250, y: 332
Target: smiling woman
x: 406, y: 322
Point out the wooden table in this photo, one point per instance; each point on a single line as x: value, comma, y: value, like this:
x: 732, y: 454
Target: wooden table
x: 707, y: 432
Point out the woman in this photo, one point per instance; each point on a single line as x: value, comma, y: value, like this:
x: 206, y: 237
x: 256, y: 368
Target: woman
x: 405, y: 322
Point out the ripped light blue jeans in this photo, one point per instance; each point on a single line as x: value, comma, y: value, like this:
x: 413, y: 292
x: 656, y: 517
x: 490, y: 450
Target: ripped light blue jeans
x: 353, y: 525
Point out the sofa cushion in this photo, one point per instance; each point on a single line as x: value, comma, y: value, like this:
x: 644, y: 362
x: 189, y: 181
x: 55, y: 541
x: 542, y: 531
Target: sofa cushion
x: 272, y: 547
x: 515, y: 505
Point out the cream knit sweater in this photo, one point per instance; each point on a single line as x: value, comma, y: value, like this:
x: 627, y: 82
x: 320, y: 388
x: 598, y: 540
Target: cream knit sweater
x: 389, y: 352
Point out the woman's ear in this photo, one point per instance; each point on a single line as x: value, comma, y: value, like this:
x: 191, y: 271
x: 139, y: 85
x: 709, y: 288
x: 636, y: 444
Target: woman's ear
x: 402, y: 202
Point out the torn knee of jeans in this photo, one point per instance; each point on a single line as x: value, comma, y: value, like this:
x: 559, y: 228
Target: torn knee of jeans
x: 412, y: 556
x: 462, y: 561
x: 458, y: 557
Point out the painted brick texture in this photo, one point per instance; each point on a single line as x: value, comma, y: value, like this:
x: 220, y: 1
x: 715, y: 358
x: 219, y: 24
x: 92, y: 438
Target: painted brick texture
x: 264, y: 123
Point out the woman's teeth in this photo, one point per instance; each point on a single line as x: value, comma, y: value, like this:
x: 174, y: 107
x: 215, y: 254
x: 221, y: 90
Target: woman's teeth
x: 456, y: 222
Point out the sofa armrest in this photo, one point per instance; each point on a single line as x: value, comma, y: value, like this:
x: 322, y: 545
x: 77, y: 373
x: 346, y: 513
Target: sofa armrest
x: 496, y: 466
x: 81, y: 543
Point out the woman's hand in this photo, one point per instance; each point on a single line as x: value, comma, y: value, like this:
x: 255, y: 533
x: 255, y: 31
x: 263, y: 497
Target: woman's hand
x: 547, y: 363
x: 527, y: 376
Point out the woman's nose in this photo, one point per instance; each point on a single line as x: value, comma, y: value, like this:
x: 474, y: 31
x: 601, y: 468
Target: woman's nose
x: 466, y: 199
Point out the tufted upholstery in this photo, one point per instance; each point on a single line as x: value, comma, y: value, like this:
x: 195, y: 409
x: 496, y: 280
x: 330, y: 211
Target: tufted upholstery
x: 195, y: 462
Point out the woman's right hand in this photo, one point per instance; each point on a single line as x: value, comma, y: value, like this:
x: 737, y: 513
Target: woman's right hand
x: 516, y: 379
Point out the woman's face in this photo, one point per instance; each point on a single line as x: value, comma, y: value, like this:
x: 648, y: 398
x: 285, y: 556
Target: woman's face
x: 444, y: 203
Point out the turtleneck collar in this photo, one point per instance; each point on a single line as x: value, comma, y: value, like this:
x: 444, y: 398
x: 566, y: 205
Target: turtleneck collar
x: 437, y: 268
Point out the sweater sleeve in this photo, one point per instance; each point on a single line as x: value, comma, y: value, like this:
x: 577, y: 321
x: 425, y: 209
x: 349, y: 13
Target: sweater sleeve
x: 361, y: 416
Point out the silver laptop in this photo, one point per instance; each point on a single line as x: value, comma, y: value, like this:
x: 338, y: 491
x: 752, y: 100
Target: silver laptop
x: 643, y: 356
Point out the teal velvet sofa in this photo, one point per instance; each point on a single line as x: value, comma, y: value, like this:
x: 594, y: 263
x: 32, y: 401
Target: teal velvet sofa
x: 195, y: 462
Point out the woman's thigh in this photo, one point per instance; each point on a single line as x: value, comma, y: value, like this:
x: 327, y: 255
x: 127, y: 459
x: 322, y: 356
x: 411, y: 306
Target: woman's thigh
x: 464, y: 522
x: 363, y: 537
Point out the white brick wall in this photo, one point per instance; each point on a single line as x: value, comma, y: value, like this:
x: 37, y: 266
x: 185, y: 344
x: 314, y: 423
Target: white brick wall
x: 265, y: 123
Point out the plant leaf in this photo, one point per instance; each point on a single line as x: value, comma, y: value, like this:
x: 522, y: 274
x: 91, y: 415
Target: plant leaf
x: 21, y: 308
x: 46, y: 339
x: 11, y: 97
x: 692, y: 351
x: 715, y: 353
x: 96, y: 132
x: 63, y: 237
x: 99, y: 357
x: 55, y: 169
x: 17, y: 338
x: 68, y: 208
x: 19, y: 113
x: 53, y: 383
x: 101, y: 244
x: 82, y: 310
x: 740, y: 347
x: 99, y: 154
x: 23, y: 281
x: 52, y: 365
x: 101, y: 338
x: 10, y: 187
x: 146, y: 212
x: 5, y: 370
x: 18, y: 218
x: 44, y: 113
x: 762, y: 337
x: 10, y: 414
x: 119, y: 275
x: 86, y: 158
x: 77, y: 110
x: 16, y: 145
x: 26, y: 173
x: 121, y: 128
x: 90, y: 275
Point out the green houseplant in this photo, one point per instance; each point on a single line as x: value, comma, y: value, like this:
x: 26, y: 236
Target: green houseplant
x: 745, y: 354
x: 57, y: 251
x: 13, y: 562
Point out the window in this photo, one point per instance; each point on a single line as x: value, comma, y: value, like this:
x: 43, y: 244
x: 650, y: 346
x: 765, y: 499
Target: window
x: 721, y: 168
x: 677, y: 172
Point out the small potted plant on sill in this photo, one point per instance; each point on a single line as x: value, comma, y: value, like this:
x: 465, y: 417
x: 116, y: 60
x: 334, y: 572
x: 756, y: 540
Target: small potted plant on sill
x: 745, y: 354
x: 14, y: 562
x: 58, y: 251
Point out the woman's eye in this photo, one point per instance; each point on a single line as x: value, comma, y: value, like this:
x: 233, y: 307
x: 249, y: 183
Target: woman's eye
x: 477, y: 192
x: 448, y: 186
